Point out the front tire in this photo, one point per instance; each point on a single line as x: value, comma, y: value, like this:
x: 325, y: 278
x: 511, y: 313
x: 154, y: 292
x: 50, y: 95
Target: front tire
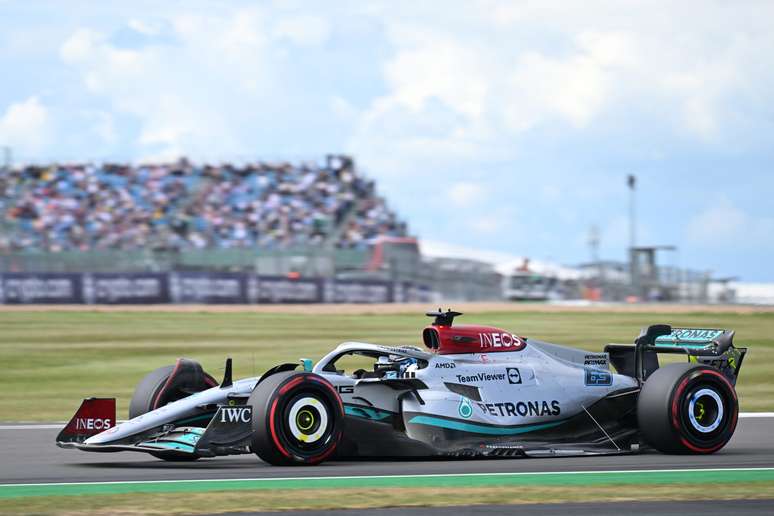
x: 297, y: 419
x: 687, y: 408
x: 165, y: 385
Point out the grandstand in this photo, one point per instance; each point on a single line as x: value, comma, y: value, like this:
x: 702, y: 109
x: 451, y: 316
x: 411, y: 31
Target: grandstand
x: 181, y: 206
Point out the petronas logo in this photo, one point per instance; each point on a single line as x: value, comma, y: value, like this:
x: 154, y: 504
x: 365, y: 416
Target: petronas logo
x: 465, y: 408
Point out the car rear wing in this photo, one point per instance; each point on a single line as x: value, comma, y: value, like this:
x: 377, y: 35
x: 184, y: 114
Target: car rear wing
x: 712, y: 347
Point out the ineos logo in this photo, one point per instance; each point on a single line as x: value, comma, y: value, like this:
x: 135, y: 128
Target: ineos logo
x: 92, y: 423
x: 500, y: 340
x: 236, y: 415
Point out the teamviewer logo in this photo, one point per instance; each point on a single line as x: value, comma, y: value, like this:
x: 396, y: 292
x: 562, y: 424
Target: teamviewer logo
x: 514, y: 376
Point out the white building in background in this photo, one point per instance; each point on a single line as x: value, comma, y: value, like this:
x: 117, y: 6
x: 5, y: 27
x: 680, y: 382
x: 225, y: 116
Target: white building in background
x: 526, y: 279
x: 754, y: 293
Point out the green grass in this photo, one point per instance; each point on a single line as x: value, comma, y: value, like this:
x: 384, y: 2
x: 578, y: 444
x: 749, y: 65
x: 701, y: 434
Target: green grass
x: 52, y: 360
x: 364, y: 498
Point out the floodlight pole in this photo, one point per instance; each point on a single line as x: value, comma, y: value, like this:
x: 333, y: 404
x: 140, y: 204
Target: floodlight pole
x: 631, y: 181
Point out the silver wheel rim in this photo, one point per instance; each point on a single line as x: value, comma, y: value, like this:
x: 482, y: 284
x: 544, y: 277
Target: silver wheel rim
x: 705, y: 429
x: 301, y: 408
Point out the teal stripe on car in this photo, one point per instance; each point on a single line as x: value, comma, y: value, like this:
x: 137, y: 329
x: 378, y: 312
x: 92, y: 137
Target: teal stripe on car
x: 170, y: 446
x: 475, y: 428
x: 366, y: 412
x: 189, y: 438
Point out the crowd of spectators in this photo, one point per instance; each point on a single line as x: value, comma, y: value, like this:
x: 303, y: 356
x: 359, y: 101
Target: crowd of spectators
x: 183, y: 206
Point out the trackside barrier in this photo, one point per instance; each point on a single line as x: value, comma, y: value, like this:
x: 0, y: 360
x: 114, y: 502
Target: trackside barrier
x: 199, y: 288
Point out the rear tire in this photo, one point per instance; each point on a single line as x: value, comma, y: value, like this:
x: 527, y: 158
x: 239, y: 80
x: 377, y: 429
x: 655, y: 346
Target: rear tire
x: 687, y: 408
x: 297, y: 419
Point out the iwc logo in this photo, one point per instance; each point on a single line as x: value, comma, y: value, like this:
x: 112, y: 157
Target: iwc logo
x: 465, y: 408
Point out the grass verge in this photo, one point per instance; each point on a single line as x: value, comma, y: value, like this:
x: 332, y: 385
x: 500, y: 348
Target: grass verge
x: 242, y: 501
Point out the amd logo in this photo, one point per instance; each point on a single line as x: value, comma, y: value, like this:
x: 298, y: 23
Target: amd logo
x: 93, y: 423
x: 236, y: 414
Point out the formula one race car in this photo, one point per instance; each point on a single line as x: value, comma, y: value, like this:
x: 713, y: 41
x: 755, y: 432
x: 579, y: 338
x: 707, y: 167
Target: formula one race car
x: 477, y: 391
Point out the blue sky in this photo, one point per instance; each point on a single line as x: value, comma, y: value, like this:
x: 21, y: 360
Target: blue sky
x: 505, y: 126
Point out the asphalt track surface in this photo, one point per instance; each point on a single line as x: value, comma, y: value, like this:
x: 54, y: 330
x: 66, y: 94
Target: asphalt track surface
x: 29, y: 455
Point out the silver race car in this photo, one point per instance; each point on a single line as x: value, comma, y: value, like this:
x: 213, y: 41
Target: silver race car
x: 475, y: 391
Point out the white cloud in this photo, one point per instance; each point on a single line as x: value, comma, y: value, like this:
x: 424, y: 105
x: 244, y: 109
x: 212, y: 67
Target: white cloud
x: 104, y: 126
x: 469, y: 81
x: 189, y: 97
x: 488, y: 224
x: 724, y: 224
x: 602, y: 64
x: 465, y: 193
x: 343, y: 109
x: 304, y: 30
x: 144, y: 26
x: 26, y: 126
x: 495, y: 88
x: 431, y: 64
x: 80, y: 45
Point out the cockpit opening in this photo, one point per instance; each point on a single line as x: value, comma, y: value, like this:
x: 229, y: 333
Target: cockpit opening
x: 359, y: 364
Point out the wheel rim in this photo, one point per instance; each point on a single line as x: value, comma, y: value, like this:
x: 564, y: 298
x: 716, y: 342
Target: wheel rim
x: 707, y: 415
x: 705, y: 410
x: 308, y: 420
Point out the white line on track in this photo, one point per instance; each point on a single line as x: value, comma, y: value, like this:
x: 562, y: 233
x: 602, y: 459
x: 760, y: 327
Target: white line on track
x: 49, y: 426
x: 365, y: 477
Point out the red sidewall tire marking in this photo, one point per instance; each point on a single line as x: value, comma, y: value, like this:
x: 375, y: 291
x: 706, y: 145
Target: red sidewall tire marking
x: 209, y: 380
x: 166, y: 385
x: 274, y: 436
x: 700, y: 450
x: 676, y: 404
x: 285, y: 388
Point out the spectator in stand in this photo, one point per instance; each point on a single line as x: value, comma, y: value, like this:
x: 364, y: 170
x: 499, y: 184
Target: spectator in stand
x: 182, y: 206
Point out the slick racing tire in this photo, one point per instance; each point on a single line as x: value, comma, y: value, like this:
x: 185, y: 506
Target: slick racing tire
x: 687, y: 408
x: 297, y: 419
x: 165, y: 385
